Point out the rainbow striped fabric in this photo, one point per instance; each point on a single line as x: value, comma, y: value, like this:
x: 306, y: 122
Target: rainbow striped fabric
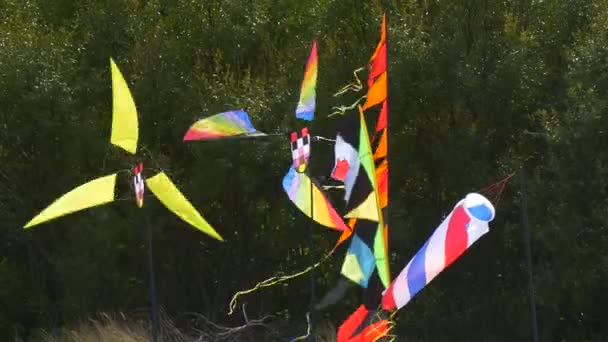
x: 299, y: 187
x: 465, y: 224
x: 234, y: 124
x: 306, y: 105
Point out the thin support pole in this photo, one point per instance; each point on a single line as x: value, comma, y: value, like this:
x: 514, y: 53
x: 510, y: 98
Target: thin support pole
x: 528, y: 253
x: 154, y: 315
x: 311, y: 275
x: 384, y: 211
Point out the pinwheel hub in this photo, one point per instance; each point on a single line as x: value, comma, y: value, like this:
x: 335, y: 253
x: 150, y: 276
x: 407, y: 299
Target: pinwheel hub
x: 138, y: 184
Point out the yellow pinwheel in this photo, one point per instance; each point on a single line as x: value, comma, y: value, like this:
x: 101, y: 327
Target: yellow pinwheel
x: 101, y: 190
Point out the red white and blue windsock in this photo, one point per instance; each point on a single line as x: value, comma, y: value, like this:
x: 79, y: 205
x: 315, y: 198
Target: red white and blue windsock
x: 463, y: 226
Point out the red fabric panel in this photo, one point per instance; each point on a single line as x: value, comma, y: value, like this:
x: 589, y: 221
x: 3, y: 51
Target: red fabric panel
x: 378, y: 65
x: 382, y: 118
x: 456, y: 239
x: 350, y: 325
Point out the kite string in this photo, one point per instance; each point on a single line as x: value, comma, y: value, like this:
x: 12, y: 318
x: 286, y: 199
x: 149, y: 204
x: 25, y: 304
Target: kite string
x: 125, y: 170
x: 145, y: 151
x: 496, y: 190
x: 320, y: 138
x: 271, y: 282
x: 355, y: 86
x: 341, y: 110
x: 391, y: 324
x: 303, y: 337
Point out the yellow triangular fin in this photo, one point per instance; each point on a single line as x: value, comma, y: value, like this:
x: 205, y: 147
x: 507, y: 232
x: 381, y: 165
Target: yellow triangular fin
x: 170, y: 196
x: 368, y: 209
x: 96, y: 192
x: 124, y: 113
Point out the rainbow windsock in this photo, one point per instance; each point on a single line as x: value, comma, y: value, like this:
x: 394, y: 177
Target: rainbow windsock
x: 299, y: 187
x: 306, y: 105
x: 232, y: 124
x: 465, y: 224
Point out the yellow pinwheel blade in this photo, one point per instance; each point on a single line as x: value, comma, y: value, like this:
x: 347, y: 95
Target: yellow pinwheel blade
x: 124, y: 113
x: 168, y: 194
x: 96, y: 192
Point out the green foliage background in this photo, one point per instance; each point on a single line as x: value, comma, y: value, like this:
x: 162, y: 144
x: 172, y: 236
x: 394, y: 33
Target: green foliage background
x: 478, y: 89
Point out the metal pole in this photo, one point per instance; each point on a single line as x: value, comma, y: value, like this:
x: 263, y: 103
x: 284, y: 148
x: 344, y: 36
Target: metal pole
x: 384, y: 212
x: 152, y: 282
x: 310, y: 246
x: 528, y: 253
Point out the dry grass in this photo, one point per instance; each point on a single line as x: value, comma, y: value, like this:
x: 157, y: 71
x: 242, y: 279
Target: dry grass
x: 120, y: 328
x: 111, y: 328
x: 325, y: 332
x: 105, y: 328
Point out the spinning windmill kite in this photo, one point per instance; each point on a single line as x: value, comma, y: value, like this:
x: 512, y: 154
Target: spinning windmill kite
x: 301, y: 189
x: 101, y: 190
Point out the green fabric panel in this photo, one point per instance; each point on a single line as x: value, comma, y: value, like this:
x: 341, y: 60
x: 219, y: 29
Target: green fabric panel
x: 380, y: 256
x: 365, y: 152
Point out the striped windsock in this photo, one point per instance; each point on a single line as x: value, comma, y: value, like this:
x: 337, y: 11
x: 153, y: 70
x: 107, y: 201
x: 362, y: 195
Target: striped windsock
x: 463, y: 226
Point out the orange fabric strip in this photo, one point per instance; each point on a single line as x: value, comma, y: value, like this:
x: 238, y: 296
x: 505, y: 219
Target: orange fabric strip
x: 372, y: 333
x: 382, y: 181
x: 382, y: 38
x: 377, y: 92
x: 382, y: 147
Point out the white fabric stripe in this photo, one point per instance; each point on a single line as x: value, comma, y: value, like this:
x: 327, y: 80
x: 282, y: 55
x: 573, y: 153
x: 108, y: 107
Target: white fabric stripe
x: 138, y: 185
x: 434, y: 261
x: 345, y: 151
x: 401, y: 291
x: 477, y: 229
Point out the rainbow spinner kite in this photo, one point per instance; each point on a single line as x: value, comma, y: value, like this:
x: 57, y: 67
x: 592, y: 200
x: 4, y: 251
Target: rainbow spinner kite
x: 101, y: 190
x: 301, y: 189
